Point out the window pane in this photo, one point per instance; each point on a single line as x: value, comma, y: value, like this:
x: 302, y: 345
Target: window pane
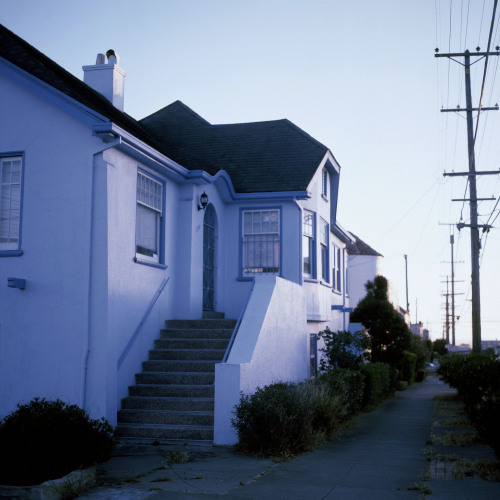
x: 261, y: 241
x: 147, y: 231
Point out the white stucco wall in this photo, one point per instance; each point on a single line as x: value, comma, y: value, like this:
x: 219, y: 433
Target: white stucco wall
x: 361, y: 269
x: 271, y: 346
x: 43, y: 328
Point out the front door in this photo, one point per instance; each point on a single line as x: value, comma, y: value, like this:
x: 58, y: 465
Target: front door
x: 209, y: 238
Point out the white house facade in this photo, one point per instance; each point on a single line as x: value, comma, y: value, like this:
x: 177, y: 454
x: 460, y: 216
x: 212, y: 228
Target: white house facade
x: 111, y: 227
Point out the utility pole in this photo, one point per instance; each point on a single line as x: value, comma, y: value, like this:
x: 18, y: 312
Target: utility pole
x: 407, y: 303
x: 474, y: 228
x: 452, y: 241
x: 447, y: 315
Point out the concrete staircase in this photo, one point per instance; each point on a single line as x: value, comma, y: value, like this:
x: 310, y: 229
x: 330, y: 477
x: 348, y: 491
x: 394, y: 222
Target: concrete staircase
x: 174, y: 394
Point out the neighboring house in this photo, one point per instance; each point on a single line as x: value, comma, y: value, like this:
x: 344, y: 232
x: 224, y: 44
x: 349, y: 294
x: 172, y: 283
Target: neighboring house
x: 418, y: 329
x: 364, y: 264
x: 111, y: 226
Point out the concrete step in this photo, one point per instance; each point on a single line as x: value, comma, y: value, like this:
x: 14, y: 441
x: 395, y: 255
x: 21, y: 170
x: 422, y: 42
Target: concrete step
x: 171, y: 343
x: 213, y: 315
x: 165, y: 431
x: 209, y: 324
x: 197, y: 418
x: 170, y: 404
x: 196, y: 333
x: 170, y: 390
x: 178, y: 366
x: 214, y: 355
x: 176, y: 378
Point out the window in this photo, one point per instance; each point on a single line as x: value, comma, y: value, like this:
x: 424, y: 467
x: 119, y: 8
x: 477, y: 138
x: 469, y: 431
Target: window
x: 261, y: 241
x: 323, y: 239
x: 324, y: 187
x: 308, y: 243
x: 10, y: 204
x: 337, y: 268
x: 149, y: 218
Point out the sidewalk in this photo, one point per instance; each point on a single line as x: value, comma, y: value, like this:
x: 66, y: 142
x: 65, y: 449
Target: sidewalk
x: 382, y: 456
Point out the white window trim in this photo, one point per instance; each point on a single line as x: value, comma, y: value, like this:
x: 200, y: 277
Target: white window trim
x: 324, y: 247
x: 308, y: 231
x: 152, y: 200
x: 271, y: 238
x: 11, y: 198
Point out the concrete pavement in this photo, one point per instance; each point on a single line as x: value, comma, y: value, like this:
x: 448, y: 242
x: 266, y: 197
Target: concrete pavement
x: 382, y: 456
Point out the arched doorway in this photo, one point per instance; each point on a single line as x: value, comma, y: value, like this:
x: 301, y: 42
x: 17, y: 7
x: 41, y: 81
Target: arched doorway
x: 209, y: 241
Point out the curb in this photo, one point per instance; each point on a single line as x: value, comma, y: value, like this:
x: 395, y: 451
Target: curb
x: 75, y: 482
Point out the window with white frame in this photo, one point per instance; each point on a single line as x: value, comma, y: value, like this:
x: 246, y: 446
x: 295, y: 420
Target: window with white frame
x: 261, y: 241
x: 10, y: 203
x: 149, y: 218
x: 324, y: 184
x: 323, y: 240
x: 336, y: 268
x: 307, y: 244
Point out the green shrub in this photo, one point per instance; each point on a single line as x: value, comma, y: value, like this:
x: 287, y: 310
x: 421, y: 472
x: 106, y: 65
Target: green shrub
x: 285, y: 418
x: 380, y: 381
x: 347, y: 387
x: 476, y: 377
x: 420, y: 377
x: 407, y: 366
x: 343, y: 349
x: 45, y: 440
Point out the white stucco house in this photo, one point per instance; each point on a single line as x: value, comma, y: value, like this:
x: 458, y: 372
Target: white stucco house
x: 151, y: 270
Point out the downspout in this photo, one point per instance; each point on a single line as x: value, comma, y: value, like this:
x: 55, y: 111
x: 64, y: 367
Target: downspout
x: 85, y: 360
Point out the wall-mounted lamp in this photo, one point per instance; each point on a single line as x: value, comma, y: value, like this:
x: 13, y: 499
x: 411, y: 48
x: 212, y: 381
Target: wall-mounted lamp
x: 203, y: 201
x: 16, y: 283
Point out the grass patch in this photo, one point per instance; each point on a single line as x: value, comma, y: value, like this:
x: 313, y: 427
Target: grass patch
x: 449, y: 422
x: 456, y: 439
x: 177, y: 457
x: 486, y: 469
x: 422, y: 488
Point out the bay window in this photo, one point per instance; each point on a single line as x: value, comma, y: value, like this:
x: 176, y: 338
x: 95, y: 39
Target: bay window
x: 308, y: 244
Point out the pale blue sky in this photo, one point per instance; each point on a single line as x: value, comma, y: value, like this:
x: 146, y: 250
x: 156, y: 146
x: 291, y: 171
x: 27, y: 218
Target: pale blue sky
x: 360, y: 77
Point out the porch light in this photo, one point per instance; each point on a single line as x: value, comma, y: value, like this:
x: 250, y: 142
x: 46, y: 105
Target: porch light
x: 203, y: 201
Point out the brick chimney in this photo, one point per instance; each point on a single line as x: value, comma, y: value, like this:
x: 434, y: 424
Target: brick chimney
x: 107, y: 78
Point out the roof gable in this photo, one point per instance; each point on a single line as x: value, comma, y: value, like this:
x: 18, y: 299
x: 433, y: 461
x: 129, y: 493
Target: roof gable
x: 359, y: 247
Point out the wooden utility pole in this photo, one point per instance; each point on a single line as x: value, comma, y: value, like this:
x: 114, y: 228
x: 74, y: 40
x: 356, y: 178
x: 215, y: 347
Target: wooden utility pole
x: 452, y: 241
x: 474, y: 227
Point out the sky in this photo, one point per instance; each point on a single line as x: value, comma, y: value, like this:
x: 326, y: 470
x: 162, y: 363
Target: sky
x: 360, y: 77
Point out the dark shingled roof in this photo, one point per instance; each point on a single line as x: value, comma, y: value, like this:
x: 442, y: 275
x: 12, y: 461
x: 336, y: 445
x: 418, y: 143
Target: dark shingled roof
x: 259, y: 157
x: 359, y: 247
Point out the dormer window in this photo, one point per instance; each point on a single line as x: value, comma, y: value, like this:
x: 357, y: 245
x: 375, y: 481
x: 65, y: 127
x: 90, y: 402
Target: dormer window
x: 324, y: 186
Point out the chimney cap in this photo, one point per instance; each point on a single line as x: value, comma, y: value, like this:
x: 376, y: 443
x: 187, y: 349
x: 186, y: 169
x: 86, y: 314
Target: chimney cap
x: 113, y: 57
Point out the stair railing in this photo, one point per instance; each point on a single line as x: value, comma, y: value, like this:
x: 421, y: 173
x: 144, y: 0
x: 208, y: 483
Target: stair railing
x: 145, y: 317
x: 237, y: 326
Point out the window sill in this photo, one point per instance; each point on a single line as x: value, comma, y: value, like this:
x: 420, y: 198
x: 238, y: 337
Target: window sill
x: 324, y: 197
x: 150, y: 264
x: 310, y: 280
x: 338, y: 292
x: 11, y: 253
x: 325, y: 283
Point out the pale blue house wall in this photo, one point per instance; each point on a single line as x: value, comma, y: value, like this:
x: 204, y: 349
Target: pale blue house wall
x: 43, y: 328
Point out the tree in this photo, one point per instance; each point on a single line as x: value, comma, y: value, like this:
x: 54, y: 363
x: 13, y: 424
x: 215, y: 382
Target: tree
x: 390, y: 335
x: 343, y: 349
x: 440, y: 347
